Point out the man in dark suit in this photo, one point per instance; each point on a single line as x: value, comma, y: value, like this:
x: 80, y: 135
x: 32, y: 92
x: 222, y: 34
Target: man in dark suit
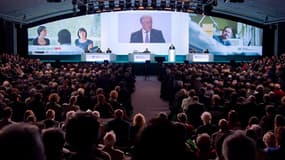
x: 121, y: 128
x: 147, y: 34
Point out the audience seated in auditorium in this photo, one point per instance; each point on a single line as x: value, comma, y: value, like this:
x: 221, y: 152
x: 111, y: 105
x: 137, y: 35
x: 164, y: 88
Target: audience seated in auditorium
x: 138, y: 124
x: 21, y: 141
x: 82, y: 135
x: 205, y: 151
x: 7, y: 115
x: 247, y: 94
x: 103, y: 107
x: 121, y: 128
x: 50, y: 121
x: 239, y: 147
x: 52, y: 103
x: 194, y: 111
x: 278, y: 154
x: 109, y: 142
x: 207, y: 126
x: 53, y: 140
x: 159, y: 140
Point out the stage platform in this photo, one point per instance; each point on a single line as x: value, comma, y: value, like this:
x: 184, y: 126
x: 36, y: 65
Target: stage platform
x: 120, y: 58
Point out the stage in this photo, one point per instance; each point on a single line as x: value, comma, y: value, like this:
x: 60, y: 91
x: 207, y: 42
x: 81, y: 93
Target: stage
x: 142, y: 58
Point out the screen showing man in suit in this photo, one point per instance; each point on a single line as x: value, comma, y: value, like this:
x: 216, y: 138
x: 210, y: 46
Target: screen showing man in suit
x: 147, y: 34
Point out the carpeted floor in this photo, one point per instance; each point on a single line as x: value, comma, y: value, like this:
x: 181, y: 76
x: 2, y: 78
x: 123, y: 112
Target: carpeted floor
x: 146, y: 98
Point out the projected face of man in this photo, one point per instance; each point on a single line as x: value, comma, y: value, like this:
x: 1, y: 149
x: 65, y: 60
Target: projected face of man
x: 227, y: 33
x: 146, y: 22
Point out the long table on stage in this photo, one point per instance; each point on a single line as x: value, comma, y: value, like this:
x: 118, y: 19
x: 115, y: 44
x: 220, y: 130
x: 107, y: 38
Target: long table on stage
x: 98, y: 57
x: 200, y: 57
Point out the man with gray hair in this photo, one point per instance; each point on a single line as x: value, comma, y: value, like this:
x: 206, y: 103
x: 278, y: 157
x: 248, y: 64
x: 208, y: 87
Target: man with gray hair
x: 147, y: 34
x: 239, y: 147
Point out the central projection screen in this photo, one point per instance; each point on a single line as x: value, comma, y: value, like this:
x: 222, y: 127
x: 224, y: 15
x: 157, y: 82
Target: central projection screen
x: 127, y: 32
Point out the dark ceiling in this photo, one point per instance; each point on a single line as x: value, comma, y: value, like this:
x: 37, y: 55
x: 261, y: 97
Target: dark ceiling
x: 30, y: 11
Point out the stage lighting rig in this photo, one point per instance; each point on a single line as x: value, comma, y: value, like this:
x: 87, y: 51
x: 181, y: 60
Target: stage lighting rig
x: 234, y: 1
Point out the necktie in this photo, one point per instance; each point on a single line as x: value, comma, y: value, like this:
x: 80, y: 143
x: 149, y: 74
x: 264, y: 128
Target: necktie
x: 146, y: 37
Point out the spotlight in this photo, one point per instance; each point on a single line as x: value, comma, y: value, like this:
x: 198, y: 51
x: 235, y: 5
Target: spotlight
x: 186, y: 5
x: 153, y: 4
x: 128, y: 4
x: 163, y: 4
x: 179, y: 5
x: 111, y: 4
x: 234, y: 1
x: 101, y: 5
x: 121, y: 4
x: 145, y: 3
x: 172, y: 4
x: 137, y: 4
x: 90, y: 8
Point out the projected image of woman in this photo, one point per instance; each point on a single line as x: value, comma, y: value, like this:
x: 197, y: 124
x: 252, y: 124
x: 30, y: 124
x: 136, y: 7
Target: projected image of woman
x: 41, y: 40
x: 82, y: 41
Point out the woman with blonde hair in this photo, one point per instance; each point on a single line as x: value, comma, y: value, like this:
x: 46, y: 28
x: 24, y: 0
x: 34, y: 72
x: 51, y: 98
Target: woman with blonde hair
x: 138, y: 123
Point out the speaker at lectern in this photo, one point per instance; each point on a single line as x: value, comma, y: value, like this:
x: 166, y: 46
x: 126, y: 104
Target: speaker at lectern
x: 171, y: 53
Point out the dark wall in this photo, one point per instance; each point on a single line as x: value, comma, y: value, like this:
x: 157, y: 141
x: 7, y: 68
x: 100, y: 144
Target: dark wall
x: 268, y: 40
x: 6, y: 37
x: 22, y: 40
x: 281, y: 38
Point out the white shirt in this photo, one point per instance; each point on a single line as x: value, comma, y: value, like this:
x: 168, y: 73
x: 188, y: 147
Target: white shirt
x: 186, y: 102
x: 144, y: 35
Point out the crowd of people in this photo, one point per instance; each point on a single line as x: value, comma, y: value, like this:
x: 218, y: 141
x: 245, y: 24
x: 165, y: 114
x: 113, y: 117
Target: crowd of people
x: 83, y: 111
x: 219, y: 99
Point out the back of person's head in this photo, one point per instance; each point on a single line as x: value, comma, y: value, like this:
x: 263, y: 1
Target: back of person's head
x: 232, y: 116
x: 219, y: 144
x: 192, y: 92
x: 101, y: 98
x: 99, y: 91
x: 96, y: 114
x: 81, y: 91
x: 279, y: 120
x: 82, y: 131
x: 73, y: 100
x: 223, y: 125
x: 119, y: 113
x: 182, y: 117
x: 69, y: 115
x: 159, y: 140
x: 283, y: 100
x: 269, y: 139
x: 239, y: 147
x: 280, y: 136
x: 204, y: 142
x: 109, y: 139
x: 195, y: 99
x: 270, y: 109
x: 21, y: 141
x: 50, y: 114
x: 114, y: 94
x: 54, y: 97
x: 206, y: 117
x: 162, y: 115
x: 7, y: 112
x: 139, y: 120
x: 53, y: 139
x: 216, y: 99
x: 253, y: 120
x: 28, y: 113
x: 64, y: 36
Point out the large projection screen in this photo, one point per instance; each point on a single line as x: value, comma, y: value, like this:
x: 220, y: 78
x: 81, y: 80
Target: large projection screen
x: 127, y: 32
